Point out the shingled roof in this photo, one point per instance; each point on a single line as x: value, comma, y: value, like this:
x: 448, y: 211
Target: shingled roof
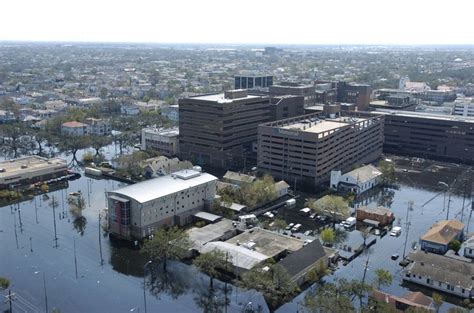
x: 303, y: 258
x: 443, y: 232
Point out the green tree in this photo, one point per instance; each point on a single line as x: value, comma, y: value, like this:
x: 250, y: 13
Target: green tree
x: 167, y: 244
x: 328, y: 236
x: 437, y: 301
x: 388, y: 171
x: 210, y: 263
x: 130, y: 164
x: 4, y: 283
x: 455, y: 245
x: 275, y: 284
x: 330, y: 298
x: 279, y: 224
x: 334, y: 206
x: 382, y: 278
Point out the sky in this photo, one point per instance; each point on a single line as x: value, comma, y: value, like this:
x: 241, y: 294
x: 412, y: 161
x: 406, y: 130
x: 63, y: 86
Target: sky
x: 240, y: 21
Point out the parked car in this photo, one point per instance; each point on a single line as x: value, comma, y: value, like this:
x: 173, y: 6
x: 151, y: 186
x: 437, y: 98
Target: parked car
x: 296, y: 228
x: 290, y: 226
x: 269, y: 214
x: 308, y: 233
x: 313, y: 216
x: 395, y: 256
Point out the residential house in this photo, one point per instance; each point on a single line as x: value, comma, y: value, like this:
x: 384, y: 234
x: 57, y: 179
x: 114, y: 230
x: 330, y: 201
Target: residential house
x: 74, y: 129
x: 440, y: 235
x: 378, y: 217
x: 449, y: 275
x: 356, y: 181
x: 411, y: 300
x: 129, y: 109
x: 161, y: 165
x: 281, y: 188
x: 468, y: 248
x: 238, y: 178
x: 99, y: 127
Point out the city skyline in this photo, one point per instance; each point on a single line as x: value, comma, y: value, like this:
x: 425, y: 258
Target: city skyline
x: 245, y: 22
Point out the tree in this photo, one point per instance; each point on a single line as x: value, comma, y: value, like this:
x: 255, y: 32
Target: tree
x: 388, y: 172
x: 210, y: 263
x: 279, y: 224
x: 437, y: 301
x: 167, y: 244
x: 328, y: 236
x: 329, y: 205
x: 383, y: 278
x: 275, y: 284
x: 76, y: 205
x: 97, y: 142
x: 72, y: 144
x: 455, y: 245
x: 365, y: 233
x: 130, y: 164
x: 330, y: 298
x: 4, y: 283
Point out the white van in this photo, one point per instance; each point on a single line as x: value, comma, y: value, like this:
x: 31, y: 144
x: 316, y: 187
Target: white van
x: 305, y: 211
x: 396, y: 231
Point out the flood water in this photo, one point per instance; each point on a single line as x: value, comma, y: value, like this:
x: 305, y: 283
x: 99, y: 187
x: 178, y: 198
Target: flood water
x: 28, y: 254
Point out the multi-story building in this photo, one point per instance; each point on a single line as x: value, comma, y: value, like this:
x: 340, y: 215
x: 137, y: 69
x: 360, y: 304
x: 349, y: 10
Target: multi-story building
x: 307, y: 148
x: 138, y: 210
x: 164, y: 141
x: 464, y: 107
x: 218, y: 129
x: 99, y: 127
x: 293, y: 89
x: 357, y: 94
x: 286, y: 106
x: 252, y: 81
x: 429, y: 135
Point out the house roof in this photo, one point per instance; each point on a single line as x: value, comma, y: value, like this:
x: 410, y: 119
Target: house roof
x: 281, y: 185
x: 74, y: 124
x: 364, y: 174
x: 380, y: 210
x: 441, y: 268
x: 239, y: 255
x: 234, y: 176
x: 443, y: 232
x: 412, y: 299
x: 303, y: 258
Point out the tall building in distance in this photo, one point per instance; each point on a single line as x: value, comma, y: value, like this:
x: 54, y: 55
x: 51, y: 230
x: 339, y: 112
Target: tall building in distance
x: 287, y: 88
x: 252, y: 81
x: 219, y: 129
x: 307, y: 148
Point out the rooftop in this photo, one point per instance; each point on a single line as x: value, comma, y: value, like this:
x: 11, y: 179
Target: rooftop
x: 441, y: 268
x: 267, y: 242
x: 166, y: 132
x: 443, y: 232
x: 303, y: 258
x: 28, y: 164
x: 318, y: 125
x: 156, y: 188
x: 380, y: 210
x: 239, y: 255
x: 220, y: 98
x: 212, y: 232
x: 243, y: 178
x: 440, y: 117
x: 74, y: 124
x: 364, y: 173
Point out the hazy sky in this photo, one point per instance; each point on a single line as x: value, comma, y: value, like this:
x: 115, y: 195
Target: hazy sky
x: 241, y: 21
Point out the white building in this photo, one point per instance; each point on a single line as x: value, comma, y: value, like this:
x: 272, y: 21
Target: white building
x: 136, y: 211
x: 131, y: 110
x: 356, y: 181
x: 464, y: 107
x: 449, y: 275
x: 99, y: 127
x: 74, y: 129
x: 164, y: 141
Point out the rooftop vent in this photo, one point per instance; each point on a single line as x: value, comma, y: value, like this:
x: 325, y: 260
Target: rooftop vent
x: 235, y: 94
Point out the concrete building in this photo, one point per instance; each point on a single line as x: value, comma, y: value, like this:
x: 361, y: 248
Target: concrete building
x: 464, y: 107
x: 136, y: 211
x: 378, y: 217
x: 307, y: 148
x: 357, y: 94
x: 308, y: 92
x: 429, y: 135
x: 440, y: 235
x: 30, y: 170
x: 252, y: 81
x: 356, y: 181
x: 98, y: 126
x: 449, y: 275
x: 286, y: 106
x: 74, y: 129
x: 163, y: 141
x: 218, y: 129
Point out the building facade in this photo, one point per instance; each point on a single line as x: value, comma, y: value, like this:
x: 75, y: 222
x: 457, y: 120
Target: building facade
x: 308, y: 92
x: 218, y: 129
x: 74, y: 129
x: 138, y: 210
x: 163, y: 141
x: 252, y: 81
x: 429, y: 135
x: 98, y: 127
x: 307, y: 148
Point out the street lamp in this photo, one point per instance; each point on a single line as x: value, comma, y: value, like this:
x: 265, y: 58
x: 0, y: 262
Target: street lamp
x: 446, y: 186
x: 45, y: 291
x: 144, y: 283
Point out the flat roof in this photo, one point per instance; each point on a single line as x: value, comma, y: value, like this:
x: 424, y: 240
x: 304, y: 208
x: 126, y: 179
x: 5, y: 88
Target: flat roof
x: 267, y: 242
x: 212, y: 232
x: 220, y: 98
x: 454, y: 118
x: 169, y: 132
x: 207, y: 216
x: 239, y: 255
x: 322, y: 125
x: 156, y: 188
x: 28, y: 164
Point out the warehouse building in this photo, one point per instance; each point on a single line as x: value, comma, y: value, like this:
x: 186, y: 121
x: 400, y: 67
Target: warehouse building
x: 307, y: 148
x: 136, y: 211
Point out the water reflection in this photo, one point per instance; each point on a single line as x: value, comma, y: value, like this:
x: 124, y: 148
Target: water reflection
x: 173, y: 282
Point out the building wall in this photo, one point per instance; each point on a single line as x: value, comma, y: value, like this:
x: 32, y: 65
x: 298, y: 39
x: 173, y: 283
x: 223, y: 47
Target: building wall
x: 442, y: 286
x: 250, y: 82
x: 173, y: 209
x: 302, y: 156
x: 217, y: 133
x: 164, y: 144
x: 74, y: 131
x: 433, y: 247
x: 429, y: 138
x: 286, y: 106
x: 382, y: 219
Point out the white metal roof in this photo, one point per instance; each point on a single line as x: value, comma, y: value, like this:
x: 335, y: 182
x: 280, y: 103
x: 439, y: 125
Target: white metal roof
x: 239, y: 255
x: 156, y: 188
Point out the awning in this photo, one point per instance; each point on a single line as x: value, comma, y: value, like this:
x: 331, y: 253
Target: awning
x: 117, y: 198
x: 207, y: 216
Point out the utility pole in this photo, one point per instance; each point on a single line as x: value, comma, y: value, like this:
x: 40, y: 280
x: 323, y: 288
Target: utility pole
x: 409, y: 207
x: 36, y: 211
x: 9, y: 299
x: 31, y: 244
x: 75, y: 256
x: 449, y: 202
x: 100, y: 242
x: 45, y: 293
x: 54, y: 204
